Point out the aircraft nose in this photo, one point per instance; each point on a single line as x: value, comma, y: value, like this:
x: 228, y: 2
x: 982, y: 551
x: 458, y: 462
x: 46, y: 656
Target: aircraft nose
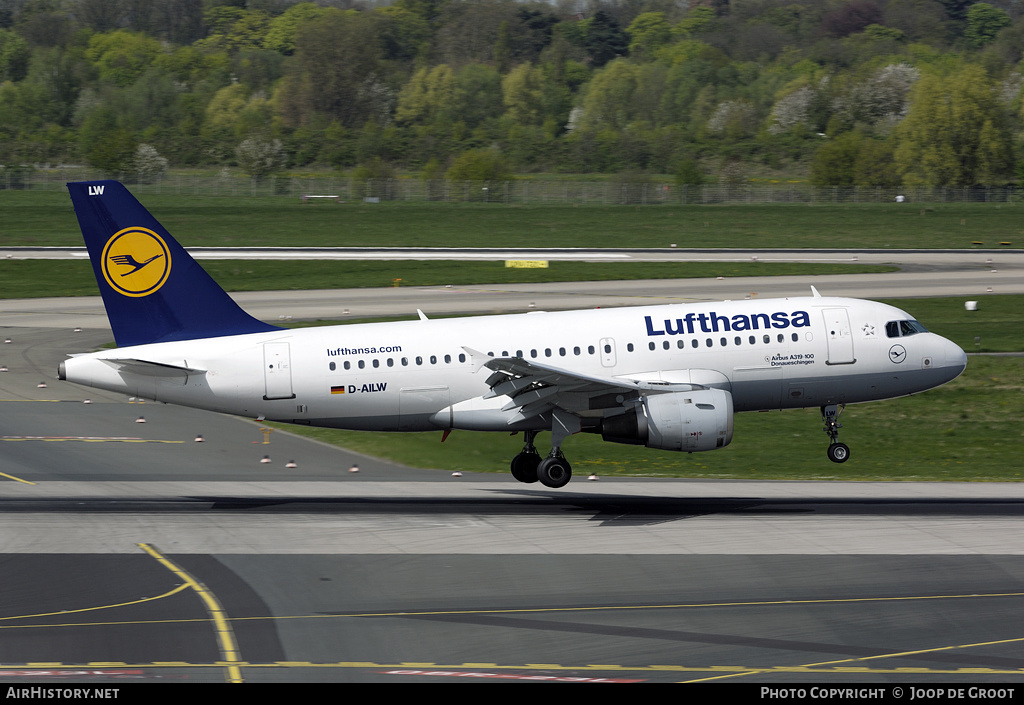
x: 956, y: 358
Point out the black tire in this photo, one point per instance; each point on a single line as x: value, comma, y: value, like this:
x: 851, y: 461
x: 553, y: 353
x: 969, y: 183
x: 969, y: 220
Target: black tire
x: 839, y: 452
x: 554, y: 472
x: 524, y: 467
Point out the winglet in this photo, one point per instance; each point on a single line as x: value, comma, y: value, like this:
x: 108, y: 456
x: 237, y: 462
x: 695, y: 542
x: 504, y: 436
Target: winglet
x: 152, y: 288
x: 815, y: 292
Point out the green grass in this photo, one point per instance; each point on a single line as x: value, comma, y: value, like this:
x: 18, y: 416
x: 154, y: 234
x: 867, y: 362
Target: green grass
x: 967, y: 430
x: 33, y: 278
x: 46, y: 218
x: 997, y: 325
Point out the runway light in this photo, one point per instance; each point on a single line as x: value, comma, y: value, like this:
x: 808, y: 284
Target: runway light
x: 141, y: 419
x: 456, y: 474
x: 354, y: 468
x: 593, y: 478
x: 41, y: 385
x: 291, y: 464
x: 87, y: 401
x: 199, y: 438
x: 265, y: 459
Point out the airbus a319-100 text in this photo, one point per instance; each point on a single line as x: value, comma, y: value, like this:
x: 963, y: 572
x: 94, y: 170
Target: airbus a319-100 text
x: 667, y: 376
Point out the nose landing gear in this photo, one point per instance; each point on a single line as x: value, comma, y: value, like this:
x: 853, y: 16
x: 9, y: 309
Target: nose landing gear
x: 837, y: 452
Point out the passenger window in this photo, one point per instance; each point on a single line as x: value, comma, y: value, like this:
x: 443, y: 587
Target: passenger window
x: 650, y: 345
x: 433, y: 359
x: 590, y: 349
x: 332, y: 366
x: 767, y: 338
x: 709, y: 342
x: 419, y: 360
x: 362, y: 364
x: 462, y: 357
x: 737, y: 340
x: 694, y: 343
x: 629, y: 347
x: 376, y: 363
x: 348, y: 365
x: 576, y: 350
x: 448, y: 359
x: 405, y: 362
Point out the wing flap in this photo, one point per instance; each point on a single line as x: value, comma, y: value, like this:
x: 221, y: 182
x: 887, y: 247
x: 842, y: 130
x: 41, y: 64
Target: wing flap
x: 534, y: 389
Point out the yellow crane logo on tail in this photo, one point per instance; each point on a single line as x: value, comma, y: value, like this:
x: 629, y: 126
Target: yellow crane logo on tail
x: 136, y: 262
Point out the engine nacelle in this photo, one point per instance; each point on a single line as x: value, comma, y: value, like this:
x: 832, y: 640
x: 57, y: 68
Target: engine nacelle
x: 685, y: 421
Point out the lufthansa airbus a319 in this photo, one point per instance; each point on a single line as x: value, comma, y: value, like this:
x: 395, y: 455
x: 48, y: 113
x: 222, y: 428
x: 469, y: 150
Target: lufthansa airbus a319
x: 668, y: 376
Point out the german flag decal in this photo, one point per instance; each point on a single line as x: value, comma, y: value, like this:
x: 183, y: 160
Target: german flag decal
x: 338, y: 390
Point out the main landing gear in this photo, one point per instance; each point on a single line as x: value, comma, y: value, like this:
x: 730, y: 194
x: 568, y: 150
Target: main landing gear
x: 837, y: 452
x: 553, y: 471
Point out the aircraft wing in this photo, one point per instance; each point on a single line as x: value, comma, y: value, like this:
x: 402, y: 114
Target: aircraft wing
x: 534, y: 388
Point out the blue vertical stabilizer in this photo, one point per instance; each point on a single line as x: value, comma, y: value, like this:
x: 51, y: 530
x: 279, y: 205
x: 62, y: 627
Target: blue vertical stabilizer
x: 152, y: 289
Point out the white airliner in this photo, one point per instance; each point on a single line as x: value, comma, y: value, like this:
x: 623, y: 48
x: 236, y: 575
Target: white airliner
x: 668, y: 376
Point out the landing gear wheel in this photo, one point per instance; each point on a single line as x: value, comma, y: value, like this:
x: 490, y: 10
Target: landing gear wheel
x: 524, y: 467
x: 554, y: 472
x: 838, y: 452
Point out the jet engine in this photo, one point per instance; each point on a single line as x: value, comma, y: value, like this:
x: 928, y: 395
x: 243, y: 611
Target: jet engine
x: 685, y: 421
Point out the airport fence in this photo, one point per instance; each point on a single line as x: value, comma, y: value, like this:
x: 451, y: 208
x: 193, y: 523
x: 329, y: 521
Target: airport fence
x: 518, y: 191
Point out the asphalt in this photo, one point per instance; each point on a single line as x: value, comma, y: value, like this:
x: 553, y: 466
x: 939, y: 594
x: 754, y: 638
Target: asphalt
x: 132, y: 552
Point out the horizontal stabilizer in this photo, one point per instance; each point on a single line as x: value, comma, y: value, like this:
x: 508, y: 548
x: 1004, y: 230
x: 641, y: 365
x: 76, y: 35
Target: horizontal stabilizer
x: 148, y: 368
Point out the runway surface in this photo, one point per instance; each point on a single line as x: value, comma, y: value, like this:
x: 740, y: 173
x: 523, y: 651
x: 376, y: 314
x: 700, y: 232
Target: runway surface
x: 130, y: 550
x: 968, y: 274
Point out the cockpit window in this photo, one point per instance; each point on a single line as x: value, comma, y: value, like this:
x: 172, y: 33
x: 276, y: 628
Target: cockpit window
x: 901, y: 329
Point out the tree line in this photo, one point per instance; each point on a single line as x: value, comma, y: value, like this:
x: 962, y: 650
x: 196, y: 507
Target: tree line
x: 858, y: 92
